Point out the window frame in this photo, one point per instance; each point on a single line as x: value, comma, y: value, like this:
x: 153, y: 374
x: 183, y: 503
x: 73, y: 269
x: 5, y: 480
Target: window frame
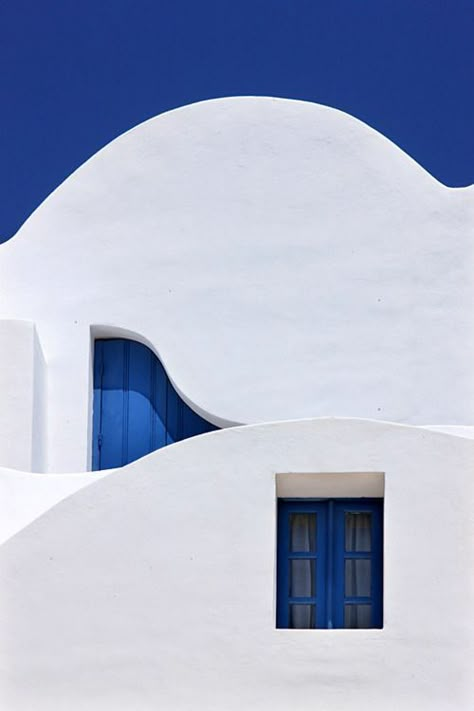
x: 330, y: 557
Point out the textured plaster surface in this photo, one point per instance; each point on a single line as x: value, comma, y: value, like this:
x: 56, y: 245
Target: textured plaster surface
x: 25, y: 496
x: 17, y: 393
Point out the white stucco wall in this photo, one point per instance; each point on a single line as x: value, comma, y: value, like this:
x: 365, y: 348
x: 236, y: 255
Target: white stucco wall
x: 282, y: 258
x: 22, y: 396
x: 25, y: 496
x: 155, y: 587
x: 39, y: 425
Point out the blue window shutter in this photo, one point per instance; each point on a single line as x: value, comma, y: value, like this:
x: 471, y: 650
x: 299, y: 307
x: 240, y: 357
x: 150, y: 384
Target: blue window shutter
x: 373, y: 557
x: 336, y: 605
x: 286, y: 556
x: 136, y: 409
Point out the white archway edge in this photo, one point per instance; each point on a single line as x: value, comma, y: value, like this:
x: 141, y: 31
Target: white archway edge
x: 155, y: 587
x: 284, y: 260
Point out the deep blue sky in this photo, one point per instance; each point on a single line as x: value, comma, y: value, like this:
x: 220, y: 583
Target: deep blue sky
x: 74, y: 74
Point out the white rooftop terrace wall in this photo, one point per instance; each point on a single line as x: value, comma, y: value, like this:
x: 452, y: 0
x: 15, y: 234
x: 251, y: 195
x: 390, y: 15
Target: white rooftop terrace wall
x: 155, y: 587
x: 283, y: 259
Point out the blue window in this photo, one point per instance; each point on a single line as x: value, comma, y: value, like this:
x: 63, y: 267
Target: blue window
x: 136, y: 409
x: 329, y: 571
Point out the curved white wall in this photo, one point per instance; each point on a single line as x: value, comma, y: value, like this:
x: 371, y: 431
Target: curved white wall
x: 283, y: 259
x: 25, y: 496
x: 154, y: 588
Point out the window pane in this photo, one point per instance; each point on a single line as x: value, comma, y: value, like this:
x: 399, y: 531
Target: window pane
x: 357, y: 616
x: 302, y: 617
x: 302, y: 578
x: 303, y: 532
x: 358, y: 577
x: 358, y: 531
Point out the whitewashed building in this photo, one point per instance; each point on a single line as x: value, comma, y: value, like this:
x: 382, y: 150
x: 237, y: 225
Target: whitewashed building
x: 236, y: 421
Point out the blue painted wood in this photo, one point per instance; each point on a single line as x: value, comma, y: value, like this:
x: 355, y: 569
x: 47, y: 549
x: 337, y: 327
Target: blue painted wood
x: 377, y: 542
x: 136, y: 409
x: 285, y: 556
x: 331, y: 584
x: 340, y: 555
x: 97, y: 405
x: 330, y: 556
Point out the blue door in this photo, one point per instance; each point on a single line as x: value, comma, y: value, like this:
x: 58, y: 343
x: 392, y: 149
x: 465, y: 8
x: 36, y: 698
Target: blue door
x: 136, y: 409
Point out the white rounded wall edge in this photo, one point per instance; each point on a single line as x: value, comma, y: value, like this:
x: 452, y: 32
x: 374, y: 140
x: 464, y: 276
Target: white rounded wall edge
x: 459, y: 430
x: 155, y: 587
x: 25, y: 496
x: 283, y: 259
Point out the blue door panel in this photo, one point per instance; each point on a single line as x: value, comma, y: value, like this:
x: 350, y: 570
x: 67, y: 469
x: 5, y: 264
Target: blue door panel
x: 173, y: 416
x: 97, y: 404
x: 114, y: 411
x: 140, y: 410
x: 158, y: 404
x: 194, y: 424
x: 136, y: 409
